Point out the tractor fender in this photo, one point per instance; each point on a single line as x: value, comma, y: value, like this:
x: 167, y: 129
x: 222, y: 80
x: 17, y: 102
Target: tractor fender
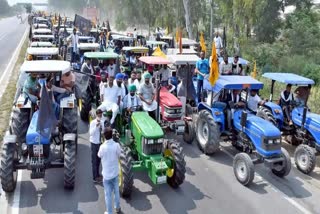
x: 275, y: 109
x: 69, y: 137
x: 217, y: 114
x: 8, y: 138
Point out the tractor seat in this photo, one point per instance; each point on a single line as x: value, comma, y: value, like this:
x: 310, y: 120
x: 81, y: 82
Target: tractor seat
x: 219, y: 105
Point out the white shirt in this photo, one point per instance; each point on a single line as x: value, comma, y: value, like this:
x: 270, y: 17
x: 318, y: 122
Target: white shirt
x: 138, y: 83
x: 74, y: 41
x: 165, y: 74
x: 111, y: 70
x: 131, y: 101
x: 130, y: 82
x: 109, y: 153
x: 111, y: 94
x: 95, y: 131
x: 218, y: 42
x: 253, y: 102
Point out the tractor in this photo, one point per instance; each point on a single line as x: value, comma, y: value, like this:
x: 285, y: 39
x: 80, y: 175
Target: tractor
x: 170, y: 108
x: 25, y: 147
x: 90, y: 88
x: 304, y: 132
x: 136, y: 52
x: 220, y: 118
x: 43, y: 53
x: 144, y: 148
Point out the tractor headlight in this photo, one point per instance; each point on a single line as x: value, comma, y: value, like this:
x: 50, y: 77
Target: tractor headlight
x: 277, y: 141
x: 270, y: 142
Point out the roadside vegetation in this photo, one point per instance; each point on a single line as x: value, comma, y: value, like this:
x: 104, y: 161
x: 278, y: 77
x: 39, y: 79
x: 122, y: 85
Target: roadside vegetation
x: 6, y: 101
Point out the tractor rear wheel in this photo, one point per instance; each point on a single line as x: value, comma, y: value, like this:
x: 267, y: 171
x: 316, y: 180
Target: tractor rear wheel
x: 243, y: 168
x: 8, y: 171
x: 176, y: 174
x: 285, y: 167
x: 70, y: 123
x: 20, y: 123
x: 266, y: 114
x: 125, y: 172
x: 86, y: 106
x: 305, y: 158
x: 69, y: 164
x: 189, y: 133
x: 207, y: 133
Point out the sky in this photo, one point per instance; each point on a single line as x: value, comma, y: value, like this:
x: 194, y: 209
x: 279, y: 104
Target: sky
x: 12, y: 2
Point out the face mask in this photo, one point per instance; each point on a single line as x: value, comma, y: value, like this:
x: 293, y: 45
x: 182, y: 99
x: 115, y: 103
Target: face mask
x: 132, y: 93
x: 147, y: 82
x: 119, y: 83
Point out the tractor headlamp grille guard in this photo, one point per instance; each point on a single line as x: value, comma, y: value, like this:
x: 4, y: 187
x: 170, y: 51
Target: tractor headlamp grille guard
x: 172, y: 112
x: 271, y: 143
x: 152, y: 146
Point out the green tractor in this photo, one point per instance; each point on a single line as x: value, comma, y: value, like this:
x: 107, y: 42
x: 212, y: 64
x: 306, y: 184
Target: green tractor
x: 145, y: 149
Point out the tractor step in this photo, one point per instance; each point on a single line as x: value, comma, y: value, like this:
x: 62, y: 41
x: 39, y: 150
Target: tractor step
x: 56, y: 164
x: 37, y: 174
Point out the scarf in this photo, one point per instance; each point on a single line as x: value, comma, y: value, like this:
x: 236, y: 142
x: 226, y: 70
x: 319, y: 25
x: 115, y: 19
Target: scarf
x: 290, y: 97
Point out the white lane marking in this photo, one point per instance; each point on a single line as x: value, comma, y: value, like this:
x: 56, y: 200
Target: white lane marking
x: 16, y: 197
x: 290, y: 200
x: 7, y: 71
x: 4, y: 35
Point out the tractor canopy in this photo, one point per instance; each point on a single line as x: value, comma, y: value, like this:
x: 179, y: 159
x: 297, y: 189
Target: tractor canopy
x: 289, y: 78
x: 148, y: 127
x: 43, y: 51
x: 88, y: 46
x: 156, y: 43
x: 154, y: 60
x: 185, y: 51
x: 101, y: 55
x: 41, y: 44
x: 42, y: 31
x: 136, y: 49
x: 233, y: 83
x: 45, y: 66
x: 168, y: 99
x: 183, y: 59
x: 231, y: 59
x: 40, y: 25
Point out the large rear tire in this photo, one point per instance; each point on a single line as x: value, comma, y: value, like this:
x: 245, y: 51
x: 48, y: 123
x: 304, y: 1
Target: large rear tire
x: 189, y: 133
x: 207, y: 133
x: 86, y: 106
x: 305, y: 158
x: 69, y: 164
x: 8, y: 171
x: 285, y: 168
x: 125, y: 172
x: 20, y: 123
x: 243, y: 168
x: 176, y: 174
x: 266, y: 114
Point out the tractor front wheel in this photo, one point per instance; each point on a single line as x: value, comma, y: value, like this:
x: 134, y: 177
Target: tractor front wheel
x: 243, y: 168
x: 86, y: 106
x: 305, y: 158
x: 125, y: 172
x: 69, y: 164
x: 8, y: 171
x: 20, y: 123
x: 285, y: 168
x: 207, y: 133
x: 175, y: 172
x: 189, y: 133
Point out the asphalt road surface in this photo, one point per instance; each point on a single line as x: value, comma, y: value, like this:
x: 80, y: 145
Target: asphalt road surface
x: 209, y: 187
x: 11, y: 32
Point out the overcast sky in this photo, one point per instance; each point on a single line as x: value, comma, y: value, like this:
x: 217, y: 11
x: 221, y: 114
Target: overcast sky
x: 12, y: 2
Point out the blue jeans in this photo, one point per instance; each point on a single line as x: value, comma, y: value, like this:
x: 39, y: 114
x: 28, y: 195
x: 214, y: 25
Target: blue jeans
x: 110, y: 186
x: 199, y: 89
x: 95, y: 160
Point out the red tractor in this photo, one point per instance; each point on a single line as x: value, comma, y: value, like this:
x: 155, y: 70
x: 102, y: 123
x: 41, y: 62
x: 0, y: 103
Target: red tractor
x: 170, y: 112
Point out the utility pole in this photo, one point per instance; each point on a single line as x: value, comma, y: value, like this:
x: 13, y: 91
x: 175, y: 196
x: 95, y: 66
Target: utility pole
x: 211, y: 20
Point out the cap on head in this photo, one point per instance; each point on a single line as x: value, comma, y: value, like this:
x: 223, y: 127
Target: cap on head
x: 147, y: 75
x: 119, y: 76
x: 132, y: 87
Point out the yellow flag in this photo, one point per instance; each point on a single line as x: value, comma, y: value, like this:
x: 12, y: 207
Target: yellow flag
x: 167, y: 31
x: 214, y: 70
x: 158, y: 52
x: 202, y: 43
x: 177, y: 35
x: 254, y: 71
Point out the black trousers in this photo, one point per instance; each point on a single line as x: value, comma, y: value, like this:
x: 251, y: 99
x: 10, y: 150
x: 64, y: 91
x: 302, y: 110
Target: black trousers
x: 95, y: 160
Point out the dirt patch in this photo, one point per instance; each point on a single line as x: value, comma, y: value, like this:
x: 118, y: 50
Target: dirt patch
x: 6, y: 102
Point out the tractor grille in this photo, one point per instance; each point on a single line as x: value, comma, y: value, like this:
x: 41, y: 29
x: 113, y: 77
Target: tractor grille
x: 152, y: 149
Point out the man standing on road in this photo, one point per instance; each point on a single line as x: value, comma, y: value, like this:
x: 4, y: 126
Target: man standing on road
x: 96, y: 127
x: 109, y: 153
x: 202, y: 69
x: 74, y: 38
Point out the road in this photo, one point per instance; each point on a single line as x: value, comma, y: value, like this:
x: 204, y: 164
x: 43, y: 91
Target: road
x: 10, y: 35
x: 209, y: 187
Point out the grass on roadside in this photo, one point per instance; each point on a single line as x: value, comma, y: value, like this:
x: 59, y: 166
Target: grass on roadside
x: 8, y: 95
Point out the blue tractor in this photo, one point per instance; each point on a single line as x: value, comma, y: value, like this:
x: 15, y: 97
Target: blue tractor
x: 220, y: 118
x: 305, y: 128
x: 37, y: 146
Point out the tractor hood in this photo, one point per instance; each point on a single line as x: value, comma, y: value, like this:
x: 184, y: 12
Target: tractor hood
x: 168, y: 99
x: 145, y: 124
